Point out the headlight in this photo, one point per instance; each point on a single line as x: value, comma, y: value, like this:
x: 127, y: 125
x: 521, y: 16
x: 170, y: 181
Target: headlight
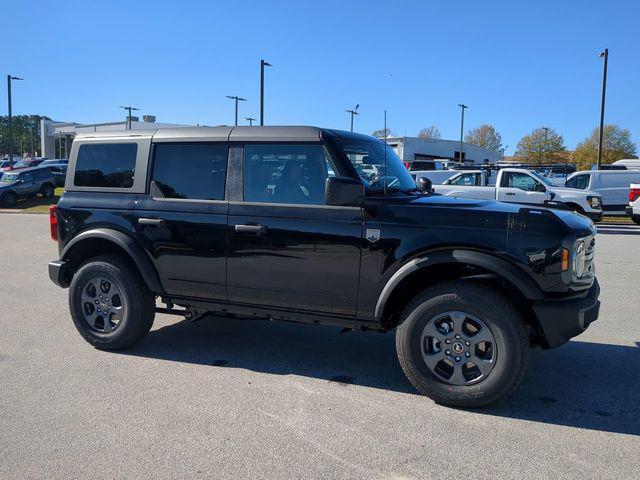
x: 595, y: 202
x: 579, y: 259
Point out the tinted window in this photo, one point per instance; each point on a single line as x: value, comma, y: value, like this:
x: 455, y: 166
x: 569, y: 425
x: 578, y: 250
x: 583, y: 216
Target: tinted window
x: 465, y: 179
x: 286, y: 173
x: 190, y: 170
x: 579, y: 181
x: 106, y: 165
x: 42, y: 174
x: 26, y: 177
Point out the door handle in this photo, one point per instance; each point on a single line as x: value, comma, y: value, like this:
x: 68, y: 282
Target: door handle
x: 510, y: 194
x: 251, y: 229
x: 152, y: 222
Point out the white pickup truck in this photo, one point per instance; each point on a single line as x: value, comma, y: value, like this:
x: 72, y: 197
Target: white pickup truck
x: 521, y: 186
x: 633, y: 210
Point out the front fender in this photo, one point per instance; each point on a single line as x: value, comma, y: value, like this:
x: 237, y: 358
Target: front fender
x: 510, y: 272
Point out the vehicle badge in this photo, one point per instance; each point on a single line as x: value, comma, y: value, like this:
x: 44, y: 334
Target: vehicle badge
x: 372, y: 234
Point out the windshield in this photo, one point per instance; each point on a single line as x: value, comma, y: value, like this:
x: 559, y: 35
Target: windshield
x: 8, y: 177
x: 368, y: 158
x: 544, y: 180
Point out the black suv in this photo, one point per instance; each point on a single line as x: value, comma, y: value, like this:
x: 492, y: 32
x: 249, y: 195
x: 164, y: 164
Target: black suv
x: 323, y: 227
x: 28, y: 182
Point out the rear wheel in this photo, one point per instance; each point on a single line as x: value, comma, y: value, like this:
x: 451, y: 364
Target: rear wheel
x: 110, y: 304
x: 462, y: 344
x: 9, y: 199
x: 47, y: 190
x: 635, y: 219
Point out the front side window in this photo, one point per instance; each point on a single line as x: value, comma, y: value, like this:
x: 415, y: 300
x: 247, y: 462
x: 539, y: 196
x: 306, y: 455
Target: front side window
x: 377, y: 164
x: 521, y: 181
x: 194, y: 171
x: 294, y: 174
x: 109, y: 165
x: 579, y: 181
x: 26, y: 177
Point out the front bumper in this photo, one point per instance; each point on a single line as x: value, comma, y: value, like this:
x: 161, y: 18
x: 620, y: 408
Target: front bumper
x: 594, y: 216
x: 562, y: 319
x: 58, y: 273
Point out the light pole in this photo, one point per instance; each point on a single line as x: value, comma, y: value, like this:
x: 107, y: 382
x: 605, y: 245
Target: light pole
x: 10, y: 135
x: 250, y: 120
x: 236, y: 99
x: 544, y: 147
x: 604, y: 55
x: 352, y: 113
x: 262, y: 65
x: 462, y: 109
x: 129, y: 108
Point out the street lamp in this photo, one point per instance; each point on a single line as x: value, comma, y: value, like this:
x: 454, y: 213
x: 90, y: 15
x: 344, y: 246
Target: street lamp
x: 352, y: 113
x: 250, y: 120
x: 262, y: 65
x: 544, y: 147
x: 129, y: 108
x: 604, y: 55
x: 462, y: 109
x: 236, y: 99
x: 10, y: 135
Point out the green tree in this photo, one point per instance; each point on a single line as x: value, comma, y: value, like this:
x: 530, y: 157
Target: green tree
x: 382, y: 133
x: 485, y: 136
x: 541, y: 146
x: 25, y: 133
x: 616, y: 144
x: 430, y: 132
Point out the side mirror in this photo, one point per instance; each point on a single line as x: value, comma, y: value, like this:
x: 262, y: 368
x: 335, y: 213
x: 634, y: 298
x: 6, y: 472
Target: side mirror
x: 343, y: 191
x: 425, y: 185
x: 540, y: 188
x: 552, y: 196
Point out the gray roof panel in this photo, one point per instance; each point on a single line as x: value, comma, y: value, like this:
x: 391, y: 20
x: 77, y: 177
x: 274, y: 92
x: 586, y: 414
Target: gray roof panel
x: 275, y: 134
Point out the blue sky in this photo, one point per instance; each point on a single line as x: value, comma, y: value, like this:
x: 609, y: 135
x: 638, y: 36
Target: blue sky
x: 518, y: 65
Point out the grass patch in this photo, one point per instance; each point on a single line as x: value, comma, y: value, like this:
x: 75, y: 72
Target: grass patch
x: 37, y: 204
x: 618, y: 220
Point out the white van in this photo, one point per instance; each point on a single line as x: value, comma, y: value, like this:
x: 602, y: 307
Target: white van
x: 629, y: 163
x: 612, y: 185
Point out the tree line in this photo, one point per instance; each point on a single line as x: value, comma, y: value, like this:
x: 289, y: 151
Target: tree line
x: 25, y: 133
x: 546, y: 145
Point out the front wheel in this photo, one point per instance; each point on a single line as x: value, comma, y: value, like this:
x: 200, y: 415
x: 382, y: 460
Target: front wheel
x: 635, y: 219
x: 111, y: 306
x: 9, y: 200
x: 47, y: 190
x: 462, y: 344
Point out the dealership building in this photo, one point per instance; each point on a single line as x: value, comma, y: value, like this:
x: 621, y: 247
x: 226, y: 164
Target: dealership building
x: 414, y: 148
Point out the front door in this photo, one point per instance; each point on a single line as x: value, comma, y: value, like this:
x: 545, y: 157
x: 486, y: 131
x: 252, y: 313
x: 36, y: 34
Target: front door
x: 27, y: 185
x: 288, y: 249
x: 522, y: 188
x: 182, y: 221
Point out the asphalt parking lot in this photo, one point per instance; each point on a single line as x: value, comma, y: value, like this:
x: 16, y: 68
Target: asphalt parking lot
x: 253, y: 399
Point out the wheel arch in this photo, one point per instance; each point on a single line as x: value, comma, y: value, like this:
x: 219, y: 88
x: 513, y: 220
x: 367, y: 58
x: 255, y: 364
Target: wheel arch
x: 417, y: 274
x: 105, y: 240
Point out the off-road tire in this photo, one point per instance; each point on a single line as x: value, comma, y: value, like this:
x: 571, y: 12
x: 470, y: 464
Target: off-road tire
x: 486, y: 304
x: 140, y: 301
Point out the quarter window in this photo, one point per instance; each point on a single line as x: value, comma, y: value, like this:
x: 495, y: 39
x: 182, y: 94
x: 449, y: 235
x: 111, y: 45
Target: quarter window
x: 190, y: 170
x: 106, y: 165
x: 294, y: 174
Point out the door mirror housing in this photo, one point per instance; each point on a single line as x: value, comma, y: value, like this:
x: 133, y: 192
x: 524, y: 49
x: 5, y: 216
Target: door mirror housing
x: 539, y: 188
x: 344, y: 191
x: 425, y: 185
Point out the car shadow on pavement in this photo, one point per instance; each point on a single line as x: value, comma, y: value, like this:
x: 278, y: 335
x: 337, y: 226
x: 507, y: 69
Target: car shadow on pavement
x: 584, y: 385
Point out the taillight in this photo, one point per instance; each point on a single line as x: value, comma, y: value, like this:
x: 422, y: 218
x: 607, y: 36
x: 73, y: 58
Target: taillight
x: 53, y: 222
x: 408, y: 165
x: 634, y: 193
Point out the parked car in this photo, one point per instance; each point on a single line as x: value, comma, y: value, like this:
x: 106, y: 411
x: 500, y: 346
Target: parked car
x: 28, y: 182
x: 58, y: 168
x: 205, y: 225
x: 5, y: 165
x: 26, y: 164
x: 633, y: 209
x: 612, y: 185
x: 524, y: 186
x: 629, y: 163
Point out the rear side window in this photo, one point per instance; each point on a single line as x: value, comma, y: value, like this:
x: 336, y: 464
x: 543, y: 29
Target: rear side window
x: 190, y: 170
x: 106, y: 165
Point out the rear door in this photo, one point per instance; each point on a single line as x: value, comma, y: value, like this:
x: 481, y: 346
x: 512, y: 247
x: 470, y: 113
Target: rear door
x: 182, y: 219
x: 522, y: 188
x: 287, y: 249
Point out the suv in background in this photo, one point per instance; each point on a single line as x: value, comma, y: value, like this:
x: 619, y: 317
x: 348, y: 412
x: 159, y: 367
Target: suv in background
x: 286, y: 223
x: 23, y: 183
